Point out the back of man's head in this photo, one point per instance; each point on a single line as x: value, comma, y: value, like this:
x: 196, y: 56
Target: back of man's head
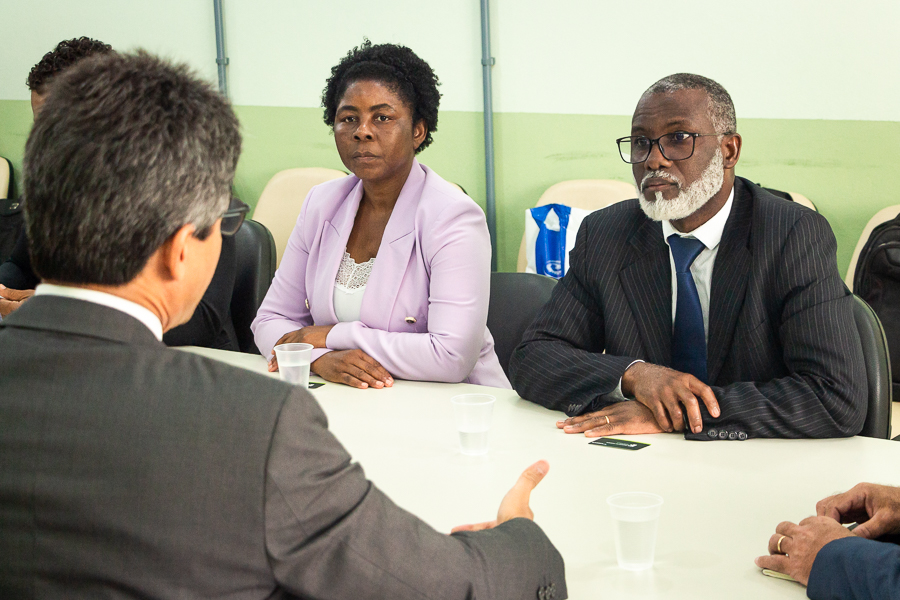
x: 721, y: 107
x: 127, y: 150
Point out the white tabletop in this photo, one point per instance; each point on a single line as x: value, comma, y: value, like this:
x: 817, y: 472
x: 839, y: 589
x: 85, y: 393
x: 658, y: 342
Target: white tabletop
x: 722, y: 499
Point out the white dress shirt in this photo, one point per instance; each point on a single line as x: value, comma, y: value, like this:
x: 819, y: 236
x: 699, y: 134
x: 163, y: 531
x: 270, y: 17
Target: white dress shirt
x: 710, y: 233
x: 121, y: 304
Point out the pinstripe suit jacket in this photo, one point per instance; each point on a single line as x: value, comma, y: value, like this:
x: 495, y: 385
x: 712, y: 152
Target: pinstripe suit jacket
x: 783, y: 354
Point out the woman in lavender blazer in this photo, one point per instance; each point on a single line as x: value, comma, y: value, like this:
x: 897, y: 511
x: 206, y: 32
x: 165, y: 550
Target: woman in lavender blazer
x: 387, y: 272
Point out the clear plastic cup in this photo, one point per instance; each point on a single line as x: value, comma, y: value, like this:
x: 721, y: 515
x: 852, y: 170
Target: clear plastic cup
x: 635, y: 519
x: 293, y: 363
x: 472, y: 413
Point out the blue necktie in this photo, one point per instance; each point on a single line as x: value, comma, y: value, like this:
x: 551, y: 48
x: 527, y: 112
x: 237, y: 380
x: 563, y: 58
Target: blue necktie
x: 688, y: 336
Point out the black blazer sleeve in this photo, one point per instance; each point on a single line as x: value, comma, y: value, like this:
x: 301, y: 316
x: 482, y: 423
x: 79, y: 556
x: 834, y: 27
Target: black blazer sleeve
x: 330, y: 533
x: 560, y: 363
x: 16, y: 273
x: 854, y: 567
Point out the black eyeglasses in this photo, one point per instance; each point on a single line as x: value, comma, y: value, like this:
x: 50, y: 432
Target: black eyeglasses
x: 234, y: 217
x: 673, y: 146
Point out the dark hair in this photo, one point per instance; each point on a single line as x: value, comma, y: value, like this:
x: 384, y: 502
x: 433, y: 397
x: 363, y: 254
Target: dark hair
x: 399, y: 68
x: 127, y: 149
x: 721, y: 108
x: 66, y: 54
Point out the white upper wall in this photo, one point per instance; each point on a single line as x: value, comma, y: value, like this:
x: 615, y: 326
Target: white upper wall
x: 282, y: 51
x: 794, y: 59
x: 182, y: 30
x: 778, y: 58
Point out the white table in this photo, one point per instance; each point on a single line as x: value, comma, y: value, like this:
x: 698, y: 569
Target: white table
x: 722, y: 499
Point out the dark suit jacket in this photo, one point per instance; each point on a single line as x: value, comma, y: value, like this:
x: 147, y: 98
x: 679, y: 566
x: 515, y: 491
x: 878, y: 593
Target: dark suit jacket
x: 210, y: 326
x: 783, y: 353
x: 856, y: 568
x: 131, y: 470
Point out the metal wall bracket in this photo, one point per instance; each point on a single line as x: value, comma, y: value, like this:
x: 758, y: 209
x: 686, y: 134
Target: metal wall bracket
x: 221, y: 59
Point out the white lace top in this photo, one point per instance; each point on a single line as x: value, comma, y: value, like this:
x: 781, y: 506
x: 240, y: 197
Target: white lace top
x: 349, y: 286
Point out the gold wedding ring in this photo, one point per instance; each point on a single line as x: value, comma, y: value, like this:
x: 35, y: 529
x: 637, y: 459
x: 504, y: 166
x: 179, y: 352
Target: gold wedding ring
x: 607, y: 419
x: 778, y: 545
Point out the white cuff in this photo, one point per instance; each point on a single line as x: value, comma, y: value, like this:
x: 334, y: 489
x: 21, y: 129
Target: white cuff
x: 616, y: 394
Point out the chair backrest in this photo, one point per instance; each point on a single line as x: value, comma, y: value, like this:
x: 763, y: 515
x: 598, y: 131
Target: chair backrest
x: 281, y: 200
x: 254, y: 269
x: 883, y: 215
x: 792, y: 197
x: 589, y: 194
x: 516, y: 299
x: 802, y: 200
x: 4, y: 178
x: 878, y: 370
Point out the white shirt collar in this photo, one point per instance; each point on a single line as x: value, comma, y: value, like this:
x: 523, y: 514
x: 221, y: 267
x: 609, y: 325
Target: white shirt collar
x: 121, y: 304
x: 710, y: 233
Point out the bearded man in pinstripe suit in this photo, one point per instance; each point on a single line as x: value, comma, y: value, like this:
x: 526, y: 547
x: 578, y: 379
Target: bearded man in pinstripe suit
x: 706, y: 305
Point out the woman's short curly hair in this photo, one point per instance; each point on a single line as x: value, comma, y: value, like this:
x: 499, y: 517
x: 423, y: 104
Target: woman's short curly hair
x: 399, y: 68
x: 66, y: 54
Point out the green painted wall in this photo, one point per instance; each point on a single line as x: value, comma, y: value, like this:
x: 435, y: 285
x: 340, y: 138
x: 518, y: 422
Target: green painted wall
x: 15, y: 123
x: 840, y: 165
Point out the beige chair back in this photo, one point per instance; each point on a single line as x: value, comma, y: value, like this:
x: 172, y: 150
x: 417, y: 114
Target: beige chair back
x: 4, y: 178
x: 589, y: 194
x: 802, y: 200
x: 280, y: 202
x: 883, y: 215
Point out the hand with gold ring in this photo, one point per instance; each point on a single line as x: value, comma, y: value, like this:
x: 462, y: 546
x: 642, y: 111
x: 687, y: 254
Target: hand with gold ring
x: 793, y: 548
x: 629, y: 417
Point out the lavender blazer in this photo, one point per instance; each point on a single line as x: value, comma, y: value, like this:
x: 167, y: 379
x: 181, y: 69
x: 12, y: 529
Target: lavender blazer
x: 424, y: 310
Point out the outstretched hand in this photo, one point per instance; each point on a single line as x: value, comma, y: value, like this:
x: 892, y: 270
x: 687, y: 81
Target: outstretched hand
x: 515, y: 503
x: 11, y: 300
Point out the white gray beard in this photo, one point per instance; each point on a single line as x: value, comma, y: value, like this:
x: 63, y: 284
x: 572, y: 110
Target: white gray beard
x: 690, y: 199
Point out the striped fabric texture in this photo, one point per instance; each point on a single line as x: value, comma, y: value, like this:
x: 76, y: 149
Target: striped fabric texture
x: 783, y: 354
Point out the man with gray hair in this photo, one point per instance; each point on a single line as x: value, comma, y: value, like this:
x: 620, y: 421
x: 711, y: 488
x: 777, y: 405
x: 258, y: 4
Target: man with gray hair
x: 211, y: 324
x: 706, y: 305
x: 129, y: 470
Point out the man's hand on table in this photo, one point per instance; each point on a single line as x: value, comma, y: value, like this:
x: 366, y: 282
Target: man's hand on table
x: 793, y: 548
x: 627, y: 417
x: 352, y: 367
x: 515, y: 503
x: 665, y: 391
x: 11, y: 300
x: 659, y: 394
x: 875, y: 507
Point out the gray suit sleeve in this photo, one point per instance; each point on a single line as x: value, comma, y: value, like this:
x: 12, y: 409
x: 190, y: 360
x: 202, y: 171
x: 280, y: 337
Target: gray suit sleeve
x: 331, y: 534
x: 824, y: 394
x: 560, y: 363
